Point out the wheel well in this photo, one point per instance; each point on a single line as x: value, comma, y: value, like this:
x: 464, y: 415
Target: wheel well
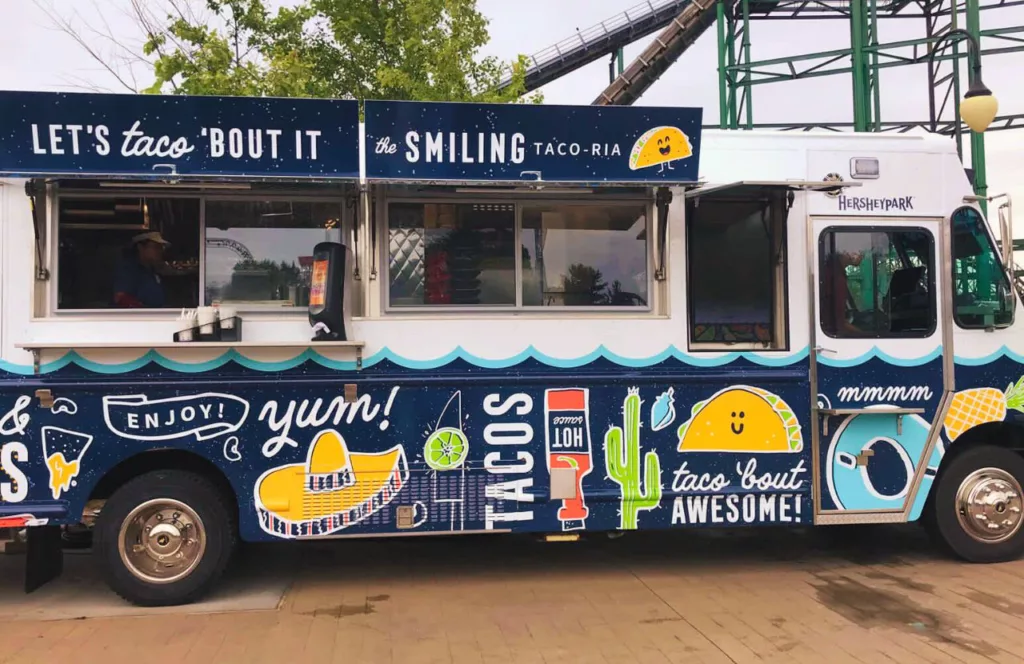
x: 1000, y: 434
x: 145, y: 462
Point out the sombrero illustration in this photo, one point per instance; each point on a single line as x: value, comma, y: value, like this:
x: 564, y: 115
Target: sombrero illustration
x: 333, y: 490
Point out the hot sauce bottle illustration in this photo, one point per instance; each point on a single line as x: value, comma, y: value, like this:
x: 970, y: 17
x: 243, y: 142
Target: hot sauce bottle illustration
x: 567, y: 438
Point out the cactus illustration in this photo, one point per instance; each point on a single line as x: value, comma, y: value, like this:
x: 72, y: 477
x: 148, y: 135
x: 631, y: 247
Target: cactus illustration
x: 622, y: 460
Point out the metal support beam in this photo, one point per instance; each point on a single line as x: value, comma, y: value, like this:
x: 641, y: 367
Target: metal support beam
x: 874, y: 84
x: 748, y: 99
x: 730, y: 57
x: 977, y: 139
x: 859, y: 65
x: 722, y: 28
x: 945, y: 128
x: 784, y: 69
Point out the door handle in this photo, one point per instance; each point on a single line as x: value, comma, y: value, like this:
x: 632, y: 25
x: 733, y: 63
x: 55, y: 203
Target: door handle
x: 822, y: 349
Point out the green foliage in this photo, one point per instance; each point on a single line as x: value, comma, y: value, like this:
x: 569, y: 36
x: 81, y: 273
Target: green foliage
x: 425, y: 50
x: 584, y: 285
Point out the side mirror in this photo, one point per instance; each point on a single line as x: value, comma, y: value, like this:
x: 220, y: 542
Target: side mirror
x: 1009, y: 302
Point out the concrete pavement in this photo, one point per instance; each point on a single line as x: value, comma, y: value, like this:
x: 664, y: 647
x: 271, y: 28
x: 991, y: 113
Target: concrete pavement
x: 864, y: 595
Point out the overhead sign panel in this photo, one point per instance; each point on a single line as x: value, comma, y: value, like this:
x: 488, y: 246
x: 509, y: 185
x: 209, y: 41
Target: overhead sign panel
x: 520, y: 142
x: 143, y: 136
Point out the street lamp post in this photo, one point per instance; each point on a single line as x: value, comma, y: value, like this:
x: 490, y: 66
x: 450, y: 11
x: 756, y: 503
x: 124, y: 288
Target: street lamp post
x: 978, y: 108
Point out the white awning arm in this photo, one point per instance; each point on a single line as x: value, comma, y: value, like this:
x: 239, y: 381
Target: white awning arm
x: 799, y: 185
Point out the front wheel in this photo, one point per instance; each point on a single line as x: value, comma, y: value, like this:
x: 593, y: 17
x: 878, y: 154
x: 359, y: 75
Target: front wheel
x: 164, y: 538
x: 978, y: 508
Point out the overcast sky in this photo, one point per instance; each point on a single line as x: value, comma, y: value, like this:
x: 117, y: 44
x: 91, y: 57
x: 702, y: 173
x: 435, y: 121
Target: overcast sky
x: 33, y: 55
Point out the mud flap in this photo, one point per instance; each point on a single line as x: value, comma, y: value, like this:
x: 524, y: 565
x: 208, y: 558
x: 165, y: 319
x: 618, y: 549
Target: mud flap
x: 44, y: 556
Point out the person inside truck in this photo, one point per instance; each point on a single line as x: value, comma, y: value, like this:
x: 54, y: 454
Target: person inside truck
x: 137, y: 282
x: 839, y: 311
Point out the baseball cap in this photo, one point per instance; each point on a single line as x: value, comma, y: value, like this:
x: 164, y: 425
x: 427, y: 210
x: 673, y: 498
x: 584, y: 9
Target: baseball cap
x: 152, y: 236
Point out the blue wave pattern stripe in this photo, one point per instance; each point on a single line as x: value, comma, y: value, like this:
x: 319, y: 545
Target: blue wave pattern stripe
x: 530, y: 353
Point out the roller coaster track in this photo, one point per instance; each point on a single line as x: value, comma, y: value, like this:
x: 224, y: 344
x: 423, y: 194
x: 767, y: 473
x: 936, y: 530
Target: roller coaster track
x: 682, y: 31
x: 606, y: 37
x: 683, y: 22
x: 240, y: 249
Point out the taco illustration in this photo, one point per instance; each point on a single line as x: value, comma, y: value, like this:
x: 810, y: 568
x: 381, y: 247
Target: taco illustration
x: 741, y: 419
x: 660, y: 147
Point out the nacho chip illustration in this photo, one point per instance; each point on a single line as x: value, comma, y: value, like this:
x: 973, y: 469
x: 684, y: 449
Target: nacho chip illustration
x: 660, y: 146
x: 741, y: 419
x: 63, y: 450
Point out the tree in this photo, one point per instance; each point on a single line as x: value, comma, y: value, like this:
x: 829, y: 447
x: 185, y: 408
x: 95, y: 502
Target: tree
x: 260, y: 279
x: 387, y: 49
x: 584, y: 286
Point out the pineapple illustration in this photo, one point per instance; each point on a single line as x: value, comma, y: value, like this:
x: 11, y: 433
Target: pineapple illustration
x: 981, y: 405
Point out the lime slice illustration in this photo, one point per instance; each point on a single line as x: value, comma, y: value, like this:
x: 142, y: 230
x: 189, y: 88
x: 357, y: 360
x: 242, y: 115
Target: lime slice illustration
x: 446, y: 449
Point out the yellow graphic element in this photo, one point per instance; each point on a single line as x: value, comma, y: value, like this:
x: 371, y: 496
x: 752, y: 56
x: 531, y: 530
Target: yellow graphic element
x: 62, y: 472
x: 741, y: 419
x: 333, y: 490
x: 63, y: 451
x: 328, y: 454
x: 981, y: 405
x: 660, y: 145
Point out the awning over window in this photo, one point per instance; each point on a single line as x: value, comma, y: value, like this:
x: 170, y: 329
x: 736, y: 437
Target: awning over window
x: 746, y: 188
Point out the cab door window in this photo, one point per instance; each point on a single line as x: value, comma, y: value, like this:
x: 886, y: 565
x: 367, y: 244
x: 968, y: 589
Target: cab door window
x: 982, y: 296
x: 877, y: 283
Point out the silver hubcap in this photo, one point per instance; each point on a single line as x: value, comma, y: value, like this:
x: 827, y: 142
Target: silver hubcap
x: 989, y: 505
x: 162, y: 541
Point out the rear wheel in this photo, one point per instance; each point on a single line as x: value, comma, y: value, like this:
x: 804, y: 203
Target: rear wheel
x: 978, y: 508
x: 164, y: 538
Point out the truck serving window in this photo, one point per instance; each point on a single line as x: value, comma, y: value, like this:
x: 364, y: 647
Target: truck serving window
x: 736, y: 257
x: 445, y: 254
x: 452, y: 254
x: 255, y: 250
x: 876, y: 283
x: 143, y: 250
x: 108, y: 245
x: 584, y: 255
x: 982, y: 297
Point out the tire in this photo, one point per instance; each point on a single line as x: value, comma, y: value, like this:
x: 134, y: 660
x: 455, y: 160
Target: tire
x: 995, y: 476
x: 197, y: 534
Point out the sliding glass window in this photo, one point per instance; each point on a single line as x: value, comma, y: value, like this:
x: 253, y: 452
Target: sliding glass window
x: 455, y: 255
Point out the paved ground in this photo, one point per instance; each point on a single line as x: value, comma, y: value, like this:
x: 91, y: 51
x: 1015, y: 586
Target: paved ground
x: 828, y: 596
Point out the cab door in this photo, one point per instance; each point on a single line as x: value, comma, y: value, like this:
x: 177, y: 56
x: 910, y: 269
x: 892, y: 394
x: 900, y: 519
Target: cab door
x: 881, y: 364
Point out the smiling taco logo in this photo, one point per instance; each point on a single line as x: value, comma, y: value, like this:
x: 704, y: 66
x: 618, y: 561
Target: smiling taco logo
x: 660, y: 147
x: 741, y: 418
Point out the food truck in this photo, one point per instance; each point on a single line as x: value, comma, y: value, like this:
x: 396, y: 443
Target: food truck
x: 257, y: 319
